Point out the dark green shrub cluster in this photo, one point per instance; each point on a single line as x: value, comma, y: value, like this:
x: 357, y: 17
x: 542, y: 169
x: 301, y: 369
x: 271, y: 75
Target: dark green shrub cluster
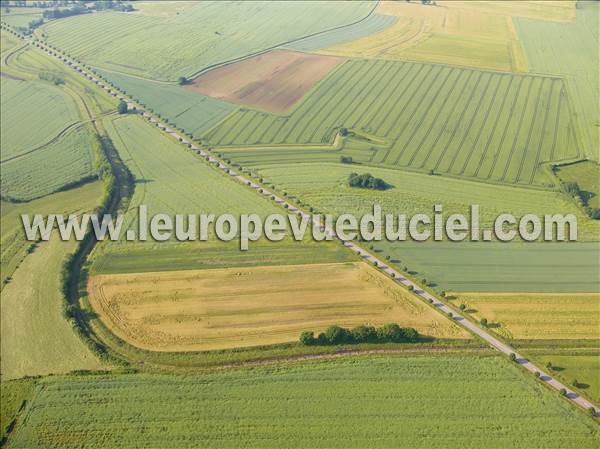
x: 367, y: 181
x: 336, y: 335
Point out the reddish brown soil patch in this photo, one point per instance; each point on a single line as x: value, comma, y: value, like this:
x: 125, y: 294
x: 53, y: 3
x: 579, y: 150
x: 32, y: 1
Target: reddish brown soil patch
x: 273, y: 81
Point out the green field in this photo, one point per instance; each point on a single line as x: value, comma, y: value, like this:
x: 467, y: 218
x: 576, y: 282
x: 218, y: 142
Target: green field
x: 425, y: 402
x: 13, y: 394
x: 66, y: 161
x: 570, y: 50
x: 46, y: 141
x: 325, y: 187
x: 583, y: 368
x: 492, y: 267
x: 44, y: 107
x: 134, y: 258
x: 587, y: 176
x: 208, y: 34
x: 470, y: 123
x: 465, y: 266
x: 20, y: 17
x: 375, y: 23
x: 193, y: 112
x: 170, y: 179
x: 35, y: 337
x: 12, y: 238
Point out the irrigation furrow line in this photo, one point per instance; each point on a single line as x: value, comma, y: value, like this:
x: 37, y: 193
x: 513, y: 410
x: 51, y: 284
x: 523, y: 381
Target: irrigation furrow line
x: 259, y: 117
x: 439, y: 111
x: 372, y: 109
x: 372, y: 84
x: 346, y: 76
x: 448, y: 143
x: 450, y: 115
x: 396, y: 99
x: 472, y: 120
x: 520, y: 125
x: 342, y: 99
x: 556, y: 123
x: 508, y: 123
x: 391, y: 97
x: 423, y: 116
x: 541, y: 138
x: 245, y: 119
x: 500, y: 111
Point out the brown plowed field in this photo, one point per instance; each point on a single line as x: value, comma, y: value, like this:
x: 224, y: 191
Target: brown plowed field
x: 273, y: 81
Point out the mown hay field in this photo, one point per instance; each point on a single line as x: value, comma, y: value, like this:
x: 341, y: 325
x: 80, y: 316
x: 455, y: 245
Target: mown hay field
x: 273, y: 81
x: 423, y: 401
x: 533, y: 316
x: 209, y: 33
x: 449, y: 34
x: 482, y: 125
x: 196, y: 310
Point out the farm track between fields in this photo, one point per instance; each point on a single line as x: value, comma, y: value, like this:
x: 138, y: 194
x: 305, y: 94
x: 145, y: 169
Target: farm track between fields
x: 504, y: 348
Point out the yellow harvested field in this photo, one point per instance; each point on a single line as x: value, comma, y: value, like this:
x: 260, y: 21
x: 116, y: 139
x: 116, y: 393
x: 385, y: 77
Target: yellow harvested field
x: 550, y: 316
x: 235, y: 307
x: 450, y: 33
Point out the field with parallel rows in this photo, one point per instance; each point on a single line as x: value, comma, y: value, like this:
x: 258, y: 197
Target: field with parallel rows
x: 426, y: 402
x: 208, y: 33
x: 570, y: 50
x: 469, y: 123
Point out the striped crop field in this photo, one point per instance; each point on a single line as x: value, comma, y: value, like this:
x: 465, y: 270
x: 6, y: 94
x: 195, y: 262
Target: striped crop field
x: 471, y: 123
x: 208, y: 33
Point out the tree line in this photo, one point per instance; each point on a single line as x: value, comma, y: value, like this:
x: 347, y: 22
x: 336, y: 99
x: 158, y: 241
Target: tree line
x: 336, y: 335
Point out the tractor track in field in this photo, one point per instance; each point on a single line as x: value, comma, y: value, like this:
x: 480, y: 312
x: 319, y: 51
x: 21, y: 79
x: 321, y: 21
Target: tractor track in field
x: 114, y: 201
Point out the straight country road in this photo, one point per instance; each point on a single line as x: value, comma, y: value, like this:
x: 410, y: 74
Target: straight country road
x: 365, y: 255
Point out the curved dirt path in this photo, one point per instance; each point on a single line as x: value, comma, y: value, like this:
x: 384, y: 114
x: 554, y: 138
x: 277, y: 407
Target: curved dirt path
x: 382, y: 266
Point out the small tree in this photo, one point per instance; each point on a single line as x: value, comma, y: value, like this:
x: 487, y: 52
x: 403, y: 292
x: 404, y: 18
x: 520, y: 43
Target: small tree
x: 411, y: 288
x: 462, y: 307
x: 182, y: 80
x: 122, y: 108
x: 513, y: 357
x: 307, y: 338
x: 484, y: 322
x: 575, y: 383
x: 563, y: 392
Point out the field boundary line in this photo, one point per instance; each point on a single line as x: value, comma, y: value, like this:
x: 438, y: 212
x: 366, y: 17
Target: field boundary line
x: 428, y: 298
